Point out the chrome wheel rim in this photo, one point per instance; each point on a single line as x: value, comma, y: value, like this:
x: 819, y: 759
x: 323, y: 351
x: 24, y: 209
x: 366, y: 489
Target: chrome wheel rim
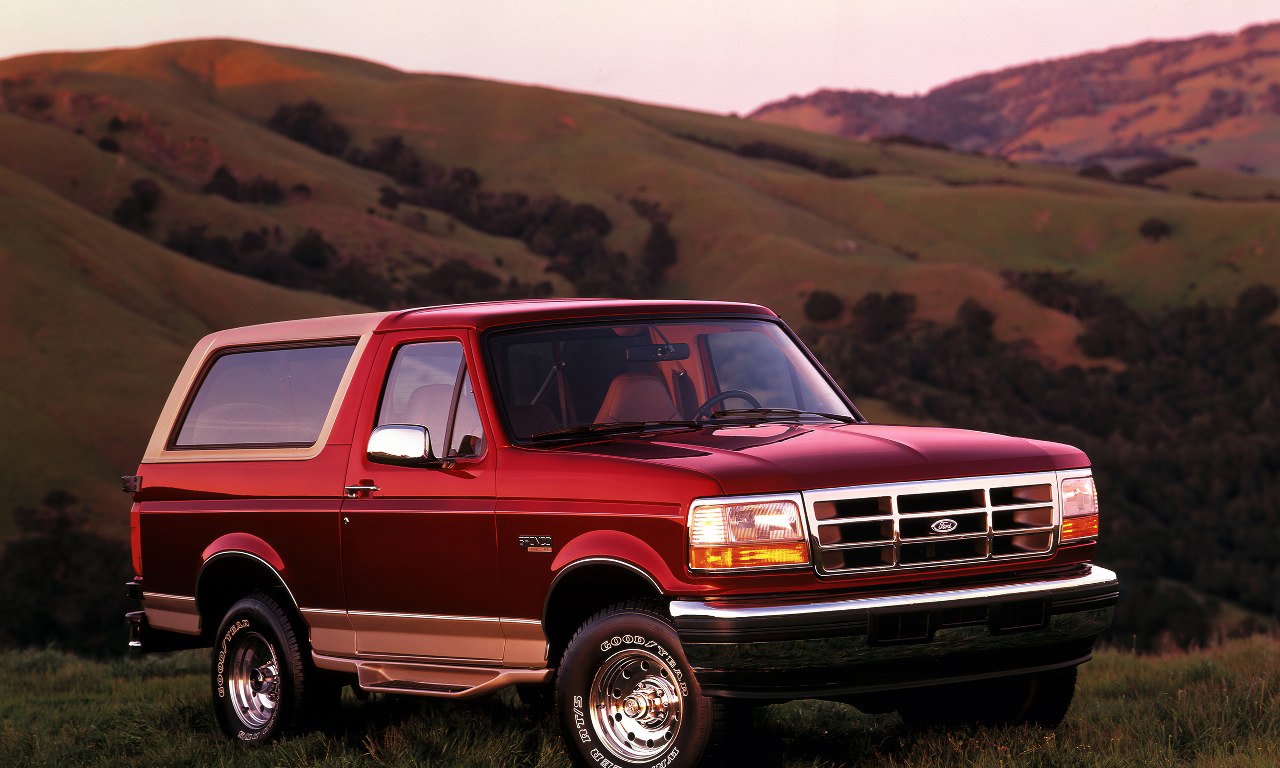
x: 254, y: 683
x: 636, y: 705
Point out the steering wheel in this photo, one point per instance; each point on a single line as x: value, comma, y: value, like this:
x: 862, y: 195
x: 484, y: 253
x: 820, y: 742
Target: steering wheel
x: 704, y: 410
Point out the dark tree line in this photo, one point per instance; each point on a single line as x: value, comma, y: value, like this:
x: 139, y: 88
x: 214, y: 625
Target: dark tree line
x: 1185, y: 438
x: 311, y: 262
x: 62, y: 584
x: 799, y: 158
x: 259, y: 189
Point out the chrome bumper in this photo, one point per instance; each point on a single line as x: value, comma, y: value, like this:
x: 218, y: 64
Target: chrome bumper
x: 791, y: 649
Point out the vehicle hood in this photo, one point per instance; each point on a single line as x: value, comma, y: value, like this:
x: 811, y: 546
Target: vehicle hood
x: 775, y: 457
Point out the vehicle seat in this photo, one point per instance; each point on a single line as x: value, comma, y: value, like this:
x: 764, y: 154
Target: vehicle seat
x: 429, y: 406
x: 637, y: 397
x: 244, y: 423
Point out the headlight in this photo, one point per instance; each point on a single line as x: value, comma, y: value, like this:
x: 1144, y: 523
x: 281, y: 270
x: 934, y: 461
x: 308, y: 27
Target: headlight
x: 746, y: 533
x: 1079, y: 509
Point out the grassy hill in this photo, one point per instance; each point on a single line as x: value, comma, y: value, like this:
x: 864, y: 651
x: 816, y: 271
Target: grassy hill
x: 79, y: 133
x: 1217, y: 708
x: 94, y: 324
x: 1214, y: 98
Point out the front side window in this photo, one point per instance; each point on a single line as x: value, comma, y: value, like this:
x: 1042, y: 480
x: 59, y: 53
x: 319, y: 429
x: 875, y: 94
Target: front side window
x: 557, y: 379
x: 429, y: 386
x: 275, y: 397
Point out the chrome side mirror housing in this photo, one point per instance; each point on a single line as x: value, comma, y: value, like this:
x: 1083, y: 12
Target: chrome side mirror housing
x: 405, y: 445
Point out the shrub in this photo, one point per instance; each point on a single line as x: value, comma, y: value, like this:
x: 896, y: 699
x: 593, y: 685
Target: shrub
x: 975, y: 319
x: 1255, y: 304
x: 1155, y: 229
x: 877, y: 316
x: 912, y: 141
x: 659, y: 254
x: 224, y: 184
x: 1141, y: 174
x: 309, y: 124
x: 61, y: 583
x: 256, y: 190
x: 823, y: 306
x: 108, y: 144
x: 192, y: 241
x: 1097, y: 171
x: 134, y: 211
x: 312, y: 250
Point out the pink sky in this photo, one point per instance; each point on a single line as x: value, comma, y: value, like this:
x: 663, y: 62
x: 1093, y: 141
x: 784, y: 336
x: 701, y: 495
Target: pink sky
x: 714, y: 55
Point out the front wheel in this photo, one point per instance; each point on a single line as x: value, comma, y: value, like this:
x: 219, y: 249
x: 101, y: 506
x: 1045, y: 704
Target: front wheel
x: 626, y: 695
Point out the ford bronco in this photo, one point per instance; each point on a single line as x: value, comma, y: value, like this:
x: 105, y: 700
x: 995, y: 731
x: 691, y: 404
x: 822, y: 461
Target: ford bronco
x: 650, y: 513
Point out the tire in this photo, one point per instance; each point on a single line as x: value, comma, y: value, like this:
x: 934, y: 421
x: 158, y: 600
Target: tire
x: 539, y: 700
x: 1050, y: 697
x: 263, y: 683
x: 626, y: 695
x: 1041, y: 699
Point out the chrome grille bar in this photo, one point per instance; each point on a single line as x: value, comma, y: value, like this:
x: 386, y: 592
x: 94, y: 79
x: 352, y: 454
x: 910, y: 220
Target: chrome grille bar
x: 900, y: 526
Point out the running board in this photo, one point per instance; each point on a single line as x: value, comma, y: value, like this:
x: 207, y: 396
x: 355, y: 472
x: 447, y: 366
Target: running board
x: 436, y: 680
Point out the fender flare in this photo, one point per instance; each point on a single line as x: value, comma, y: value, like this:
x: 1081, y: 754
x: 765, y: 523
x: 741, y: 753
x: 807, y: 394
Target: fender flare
x: 612, y: 549
x: 247, y: 546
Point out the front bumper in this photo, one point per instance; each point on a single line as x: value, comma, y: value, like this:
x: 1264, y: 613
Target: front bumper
x: 783, y: 649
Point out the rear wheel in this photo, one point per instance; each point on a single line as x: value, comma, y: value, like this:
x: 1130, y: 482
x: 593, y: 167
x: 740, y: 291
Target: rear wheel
x: 1040, y: 699
x: 263, y: 685
x: 626, y: 695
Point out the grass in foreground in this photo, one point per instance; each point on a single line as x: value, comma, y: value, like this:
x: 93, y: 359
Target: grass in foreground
x: 1218, y: 707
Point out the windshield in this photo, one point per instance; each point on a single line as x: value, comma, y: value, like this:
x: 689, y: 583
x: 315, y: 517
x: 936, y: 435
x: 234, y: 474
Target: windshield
x: 557, y: 380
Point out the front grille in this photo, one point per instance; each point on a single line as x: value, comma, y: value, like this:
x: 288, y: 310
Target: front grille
x: 933, y: 523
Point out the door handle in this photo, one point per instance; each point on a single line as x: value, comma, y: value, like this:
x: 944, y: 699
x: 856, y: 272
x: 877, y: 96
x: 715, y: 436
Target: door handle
x: 354, y: 491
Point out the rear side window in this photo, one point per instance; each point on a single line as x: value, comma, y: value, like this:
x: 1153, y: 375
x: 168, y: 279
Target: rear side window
x: 265, y: 397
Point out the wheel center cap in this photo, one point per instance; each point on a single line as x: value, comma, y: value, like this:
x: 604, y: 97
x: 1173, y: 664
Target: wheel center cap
x: 633, y: 707
x: 263, y: 679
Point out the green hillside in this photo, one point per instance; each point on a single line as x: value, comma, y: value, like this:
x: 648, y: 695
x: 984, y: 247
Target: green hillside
x: 97, y: 314
x: 94, y: 324
x: 942, y: 224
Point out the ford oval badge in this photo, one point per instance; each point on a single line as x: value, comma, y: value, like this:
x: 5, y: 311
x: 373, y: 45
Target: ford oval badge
x: 944, y: 525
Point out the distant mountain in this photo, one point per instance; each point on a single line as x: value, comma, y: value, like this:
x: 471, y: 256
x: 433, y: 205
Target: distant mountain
x: 150, y: 195
x: 1215, y: 99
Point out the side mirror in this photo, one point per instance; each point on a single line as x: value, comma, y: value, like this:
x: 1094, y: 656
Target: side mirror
x: 405, y: 445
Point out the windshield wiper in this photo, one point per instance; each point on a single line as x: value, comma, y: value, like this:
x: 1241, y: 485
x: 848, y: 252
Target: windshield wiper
x: 616, y: 427
x: 785, y: 412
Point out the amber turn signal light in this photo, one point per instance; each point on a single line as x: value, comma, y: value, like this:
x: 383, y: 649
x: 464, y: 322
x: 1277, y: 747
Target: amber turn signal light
x: 1080, y: 527
x: 749, y: 555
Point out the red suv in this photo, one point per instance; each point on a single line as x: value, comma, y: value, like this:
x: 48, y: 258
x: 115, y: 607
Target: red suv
x: 649, y: 510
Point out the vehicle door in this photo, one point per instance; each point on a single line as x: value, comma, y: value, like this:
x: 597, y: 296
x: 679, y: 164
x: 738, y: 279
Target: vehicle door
x: 418, y: 542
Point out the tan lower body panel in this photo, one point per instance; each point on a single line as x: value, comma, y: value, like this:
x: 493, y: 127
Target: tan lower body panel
x: 526, y: 643
x: 331, y: 632
x: 464, y: 638
x: 174, y: 613
x: 430, y: 655
x: 439, y: 680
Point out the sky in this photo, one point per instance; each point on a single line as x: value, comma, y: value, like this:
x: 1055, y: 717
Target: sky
x: 711, y: 55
